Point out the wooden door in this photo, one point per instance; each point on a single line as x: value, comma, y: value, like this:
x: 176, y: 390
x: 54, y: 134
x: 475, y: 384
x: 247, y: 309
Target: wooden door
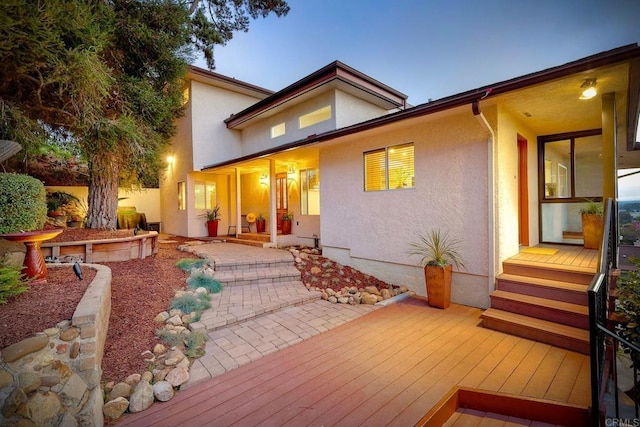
x: 282, y: 197
x: 523, y: 193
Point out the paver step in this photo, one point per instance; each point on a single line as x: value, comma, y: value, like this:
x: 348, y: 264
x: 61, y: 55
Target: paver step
x: 563, y: 336
x: 259, y: 275
x: 247, y: 302
x: 575, y: 293
x: 582, y: 275
x: 542, y: 308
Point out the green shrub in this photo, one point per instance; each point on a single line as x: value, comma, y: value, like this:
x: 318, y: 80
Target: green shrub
x: 192, y: 342
x: 189, y: 302
x: 187, y: 264
x: 200, y: 280
x: 22, y: 203
x: 12, y: 281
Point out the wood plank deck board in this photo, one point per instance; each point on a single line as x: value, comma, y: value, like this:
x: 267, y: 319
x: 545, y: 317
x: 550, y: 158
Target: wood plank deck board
x: 386, y: 368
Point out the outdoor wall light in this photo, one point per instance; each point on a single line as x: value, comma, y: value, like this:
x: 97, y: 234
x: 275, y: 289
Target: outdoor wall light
x: 264, y: 179
x: 588, y: 89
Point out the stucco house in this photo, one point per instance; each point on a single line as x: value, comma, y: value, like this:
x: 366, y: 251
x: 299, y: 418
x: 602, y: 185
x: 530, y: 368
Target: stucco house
x: 500, y: 167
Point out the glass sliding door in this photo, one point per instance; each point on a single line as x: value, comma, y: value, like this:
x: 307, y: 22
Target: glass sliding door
x: 570, y: 172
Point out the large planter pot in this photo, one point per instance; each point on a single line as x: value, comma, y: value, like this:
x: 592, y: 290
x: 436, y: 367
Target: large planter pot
x: 261, y: 225
x: 286, y: 226
x: 592, y: 226
x: 212, y: 228
x: 438, y: 285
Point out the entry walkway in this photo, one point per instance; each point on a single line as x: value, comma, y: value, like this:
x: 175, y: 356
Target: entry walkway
x: 263, y: 308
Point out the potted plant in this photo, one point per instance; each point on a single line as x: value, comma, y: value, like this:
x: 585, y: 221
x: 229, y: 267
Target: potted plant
x: 213, y: 217
x: 438, y: 251
x: 261, y: 223
x: 286, y: 223
x: 592, y: 224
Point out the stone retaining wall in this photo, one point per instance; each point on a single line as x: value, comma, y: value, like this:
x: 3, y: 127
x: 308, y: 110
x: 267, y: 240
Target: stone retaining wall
x: 53, y: 379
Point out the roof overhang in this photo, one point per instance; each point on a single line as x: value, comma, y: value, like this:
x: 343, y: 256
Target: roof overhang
x: 333, y: 76
x: 629, y: 54
x: 211, y: 78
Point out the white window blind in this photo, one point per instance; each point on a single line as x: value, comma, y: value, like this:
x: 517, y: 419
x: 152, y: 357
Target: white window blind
x: 389, y: 168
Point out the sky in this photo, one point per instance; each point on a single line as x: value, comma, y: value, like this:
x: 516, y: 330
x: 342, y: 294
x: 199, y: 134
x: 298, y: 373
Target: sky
x: 427, y: 49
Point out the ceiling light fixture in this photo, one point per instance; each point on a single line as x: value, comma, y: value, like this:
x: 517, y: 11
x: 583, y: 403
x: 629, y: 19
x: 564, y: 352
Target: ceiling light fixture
x: 588, y: 89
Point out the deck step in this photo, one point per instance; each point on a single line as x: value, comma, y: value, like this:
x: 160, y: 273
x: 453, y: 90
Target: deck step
x: 574, y: 293
x: 582, y: 275
x: 542, y: 308
x: 552, y: 333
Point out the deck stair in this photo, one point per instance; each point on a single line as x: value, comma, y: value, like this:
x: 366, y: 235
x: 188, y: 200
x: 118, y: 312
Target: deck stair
x: 542, y: 302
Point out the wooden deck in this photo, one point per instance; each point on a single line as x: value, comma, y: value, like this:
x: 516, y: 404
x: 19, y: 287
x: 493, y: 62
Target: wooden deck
x: 567, y: 255
x: 386, y: 368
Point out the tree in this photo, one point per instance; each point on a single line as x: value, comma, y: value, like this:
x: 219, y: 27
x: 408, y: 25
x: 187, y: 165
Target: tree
x: 106, y: 77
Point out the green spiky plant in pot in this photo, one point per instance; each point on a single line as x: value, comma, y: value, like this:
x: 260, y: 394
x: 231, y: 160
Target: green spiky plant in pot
x: 438, y: 252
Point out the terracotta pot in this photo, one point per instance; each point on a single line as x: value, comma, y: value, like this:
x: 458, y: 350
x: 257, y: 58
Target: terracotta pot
x: 438, y: 285
x: 592, y: 226
x: 261, y: 225
x: 212, y: 228
x: 286, y: 226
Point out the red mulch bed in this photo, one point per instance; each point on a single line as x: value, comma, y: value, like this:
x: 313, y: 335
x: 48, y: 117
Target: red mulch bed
x: 140, y: 289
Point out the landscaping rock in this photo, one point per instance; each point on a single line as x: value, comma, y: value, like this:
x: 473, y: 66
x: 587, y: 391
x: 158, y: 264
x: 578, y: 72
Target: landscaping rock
x: 163, y: 391
x: 177, y: 376
x: 114, y: 409
x: 24, y: 347
x: 120, y: 390
x: 141, y: 398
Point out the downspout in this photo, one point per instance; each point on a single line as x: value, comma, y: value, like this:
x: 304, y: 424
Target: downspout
x: 491, y: 202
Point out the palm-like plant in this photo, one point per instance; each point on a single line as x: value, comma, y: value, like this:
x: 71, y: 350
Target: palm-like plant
x: 437, y: 248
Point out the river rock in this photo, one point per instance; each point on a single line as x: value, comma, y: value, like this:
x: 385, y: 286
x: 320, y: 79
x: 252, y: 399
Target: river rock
x: 163, y: 391
x: 161, y: 317
x: 177, y: 376
x: 42, y: 409
x: 6, y: 379
x: 70, y: 334
x: 368, y: 298
x: 29, y: 382
x: 24, y: 347
x: 115, y: 408
x: 13, y: 401
x: 372, y: 290
x: 141, y: 398
x: 120, y: 390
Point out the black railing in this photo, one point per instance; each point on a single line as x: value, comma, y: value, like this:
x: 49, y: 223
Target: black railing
x: 604, y: 341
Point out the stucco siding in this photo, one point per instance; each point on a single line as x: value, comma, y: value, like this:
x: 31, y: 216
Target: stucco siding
x: 351, y: 110
x: 451, y: 162
x: 257, y: 137
x: 212, y: 141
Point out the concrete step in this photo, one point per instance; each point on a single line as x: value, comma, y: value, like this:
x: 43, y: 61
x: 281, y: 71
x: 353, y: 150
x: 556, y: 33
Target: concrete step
x: 245, y: 302
x: 542, y: 308
x: 581, y: 275
x: 258, y: 275
x: 574, y: 293
x: 552, y: 333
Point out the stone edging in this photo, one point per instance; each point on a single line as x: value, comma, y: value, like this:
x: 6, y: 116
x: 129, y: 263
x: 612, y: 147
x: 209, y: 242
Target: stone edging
x: 54, y: 377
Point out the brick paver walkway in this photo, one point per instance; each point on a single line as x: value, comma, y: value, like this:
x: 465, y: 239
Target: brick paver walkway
x: 263, y: 308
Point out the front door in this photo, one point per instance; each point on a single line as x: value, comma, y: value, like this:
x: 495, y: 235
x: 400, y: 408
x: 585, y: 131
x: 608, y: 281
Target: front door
x: 282, y: 197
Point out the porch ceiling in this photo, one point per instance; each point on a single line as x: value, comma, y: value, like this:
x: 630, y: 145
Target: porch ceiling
x: 554, y: 107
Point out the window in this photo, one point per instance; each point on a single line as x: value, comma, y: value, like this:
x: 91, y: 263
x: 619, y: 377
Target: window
x: 278, y: 130
x: 310, y: 194
x: 389, y: 168
x: 205, y: 195
x: 314, y: 117
x: 182, y: 196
